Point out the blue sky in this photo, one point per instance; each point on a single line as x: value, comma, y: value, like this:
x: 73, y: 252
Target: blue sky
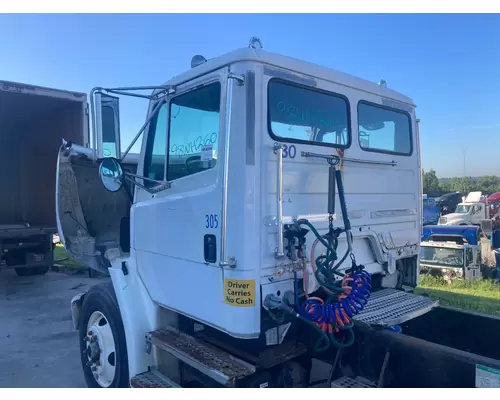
x: 448, y: 64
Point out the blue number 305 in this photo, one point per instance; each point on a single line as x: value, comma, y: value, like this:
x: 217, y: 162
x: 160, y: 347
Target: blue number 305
x: 211, y: 221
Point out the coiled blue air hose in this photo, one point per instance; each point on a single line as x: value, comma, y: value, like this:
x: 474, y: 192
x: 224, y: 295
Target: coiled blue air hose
x: 347, y: 297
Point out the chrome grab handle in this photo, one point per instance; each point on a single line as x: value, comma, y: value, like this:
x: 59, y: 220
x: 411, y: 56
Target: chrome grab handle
x: 278, y: 150
x: 224, y: 260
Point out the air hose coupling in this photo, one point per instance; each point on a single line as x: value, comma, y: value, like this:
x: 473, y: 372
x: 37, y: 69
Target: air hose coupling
x: 283, y: 303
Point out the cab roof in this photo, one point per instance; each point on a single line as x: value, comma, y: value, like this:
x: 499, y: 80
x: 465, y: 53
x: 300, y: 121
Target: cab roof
x: 293, y: 65
x: 469, y: 232
x: 473, y: 197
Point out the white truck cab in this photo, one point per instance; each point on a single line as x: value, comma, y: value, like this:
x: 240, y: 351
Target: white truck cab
x: 263, y: 184
x: 470, y: 212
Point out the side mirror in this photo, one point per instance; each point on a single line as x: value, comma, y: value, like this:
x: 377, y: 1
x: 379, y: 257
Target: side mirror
x: 107, y: 125
x: 111, y: 174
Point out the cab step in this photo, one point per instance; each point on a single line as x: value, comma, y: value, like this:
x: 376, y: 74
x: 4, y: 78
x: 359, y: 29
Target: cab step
x: 393, y: 307
x: 152, y: 379
x: 210, y: 361
x: 345, y: 382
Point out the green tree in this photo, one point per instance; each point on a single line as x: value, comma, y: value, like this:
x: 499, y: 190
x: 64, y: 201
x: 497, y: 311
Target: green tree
x: 445, y: 187
x: 431, y: 183
x: 489, y: 184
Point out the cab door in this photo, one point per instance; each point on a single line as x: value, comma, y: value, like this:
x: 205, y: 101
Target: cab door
x: 478, y: 213
x: 176, y: 230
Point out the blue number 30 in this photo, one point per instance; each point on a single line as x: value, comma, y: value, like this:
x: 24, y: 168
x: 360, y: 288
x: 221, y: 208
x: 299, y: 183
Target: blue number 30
x: 289, y: 151
x: 211, y: 221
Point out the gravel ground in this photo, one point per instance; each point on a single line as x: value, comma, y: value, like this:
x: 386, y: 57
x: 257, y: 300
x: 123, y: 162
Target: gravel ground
x: 38, y: 345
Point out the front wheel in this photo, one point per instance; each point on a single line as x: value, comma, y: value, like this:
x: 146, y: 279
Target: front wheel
x: 102, y: 340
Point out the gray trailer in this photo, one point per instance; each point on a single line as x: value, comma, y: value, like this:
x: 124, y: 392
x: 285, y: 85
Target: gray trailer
x: 33, y: 121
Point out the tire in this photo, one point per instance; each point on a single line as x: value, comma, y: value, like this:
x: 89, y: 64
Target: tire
x: 41, y: 270
x: 24, y: 272
x: 101, y: 300
x: 31, y: 271
x: 292, y: 374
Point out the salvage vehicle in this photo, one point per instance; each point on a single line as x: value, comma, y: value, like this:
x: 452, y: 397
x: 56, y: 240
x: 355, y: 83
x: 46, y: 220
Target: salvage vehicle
x: 274, y: 216
x: 448, y: 202
x: 431, y: 214
x: 492, y: 221
x: 453, y: 251
x: 471, y: 211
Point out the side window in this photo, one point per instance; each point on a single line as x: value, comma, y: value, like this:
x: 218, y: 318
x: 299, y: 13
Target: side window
x: 154, y: 163
x: 384, y: 130
x: 194, y: 131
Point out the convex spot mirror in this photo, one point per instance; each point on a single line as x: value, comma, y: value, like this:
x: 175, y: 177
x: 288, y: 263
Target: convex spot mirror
x: 111, y: 174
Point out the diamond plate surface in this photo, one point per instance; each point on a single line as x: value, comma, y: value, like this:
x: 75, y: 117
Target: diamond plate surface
x: 392, y: 307
x: 348, y: 383
x: 209, y: 360
x: 152, y: 379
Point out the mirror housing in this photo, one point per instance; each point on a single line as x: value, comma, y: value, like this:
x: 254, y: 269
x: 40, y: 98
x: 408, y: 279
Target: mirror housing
x: 111, y: 174
x: 107, y: 116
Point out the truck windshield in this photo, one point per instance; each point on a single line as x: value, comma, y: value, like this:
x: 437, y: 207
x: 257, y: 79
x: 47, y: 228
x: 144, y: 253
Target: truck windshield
x: 304, y: 115
x: 442, y: 256
x: 463, y: 208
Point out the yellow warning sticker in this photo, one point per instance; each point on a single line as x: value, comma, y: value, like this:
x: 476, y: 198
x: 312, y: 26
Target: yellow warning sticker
x: 239, y: 293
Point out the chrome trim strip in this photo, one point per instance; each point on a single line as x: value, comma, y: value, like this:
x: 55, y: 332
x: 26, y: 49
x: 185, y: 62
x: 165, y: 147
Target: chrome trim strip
x: 393, y: 213
x: 289, y: 76
x: 95, y: 138
x: 337, y: 159
x: 250, y: 118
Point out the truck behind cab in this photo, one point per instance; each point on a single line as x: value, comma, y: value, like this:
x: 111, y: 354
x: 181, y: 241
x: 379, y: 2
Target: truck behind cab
x: 33, y: 122
x: 448, y: 202
x: 469, y: 212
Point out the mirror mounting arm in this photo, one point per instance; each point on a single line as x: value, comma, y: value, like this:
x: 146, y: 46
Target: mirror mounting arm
x: 101, y: 97
x: 152, y: 190
x: 162, y: 185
